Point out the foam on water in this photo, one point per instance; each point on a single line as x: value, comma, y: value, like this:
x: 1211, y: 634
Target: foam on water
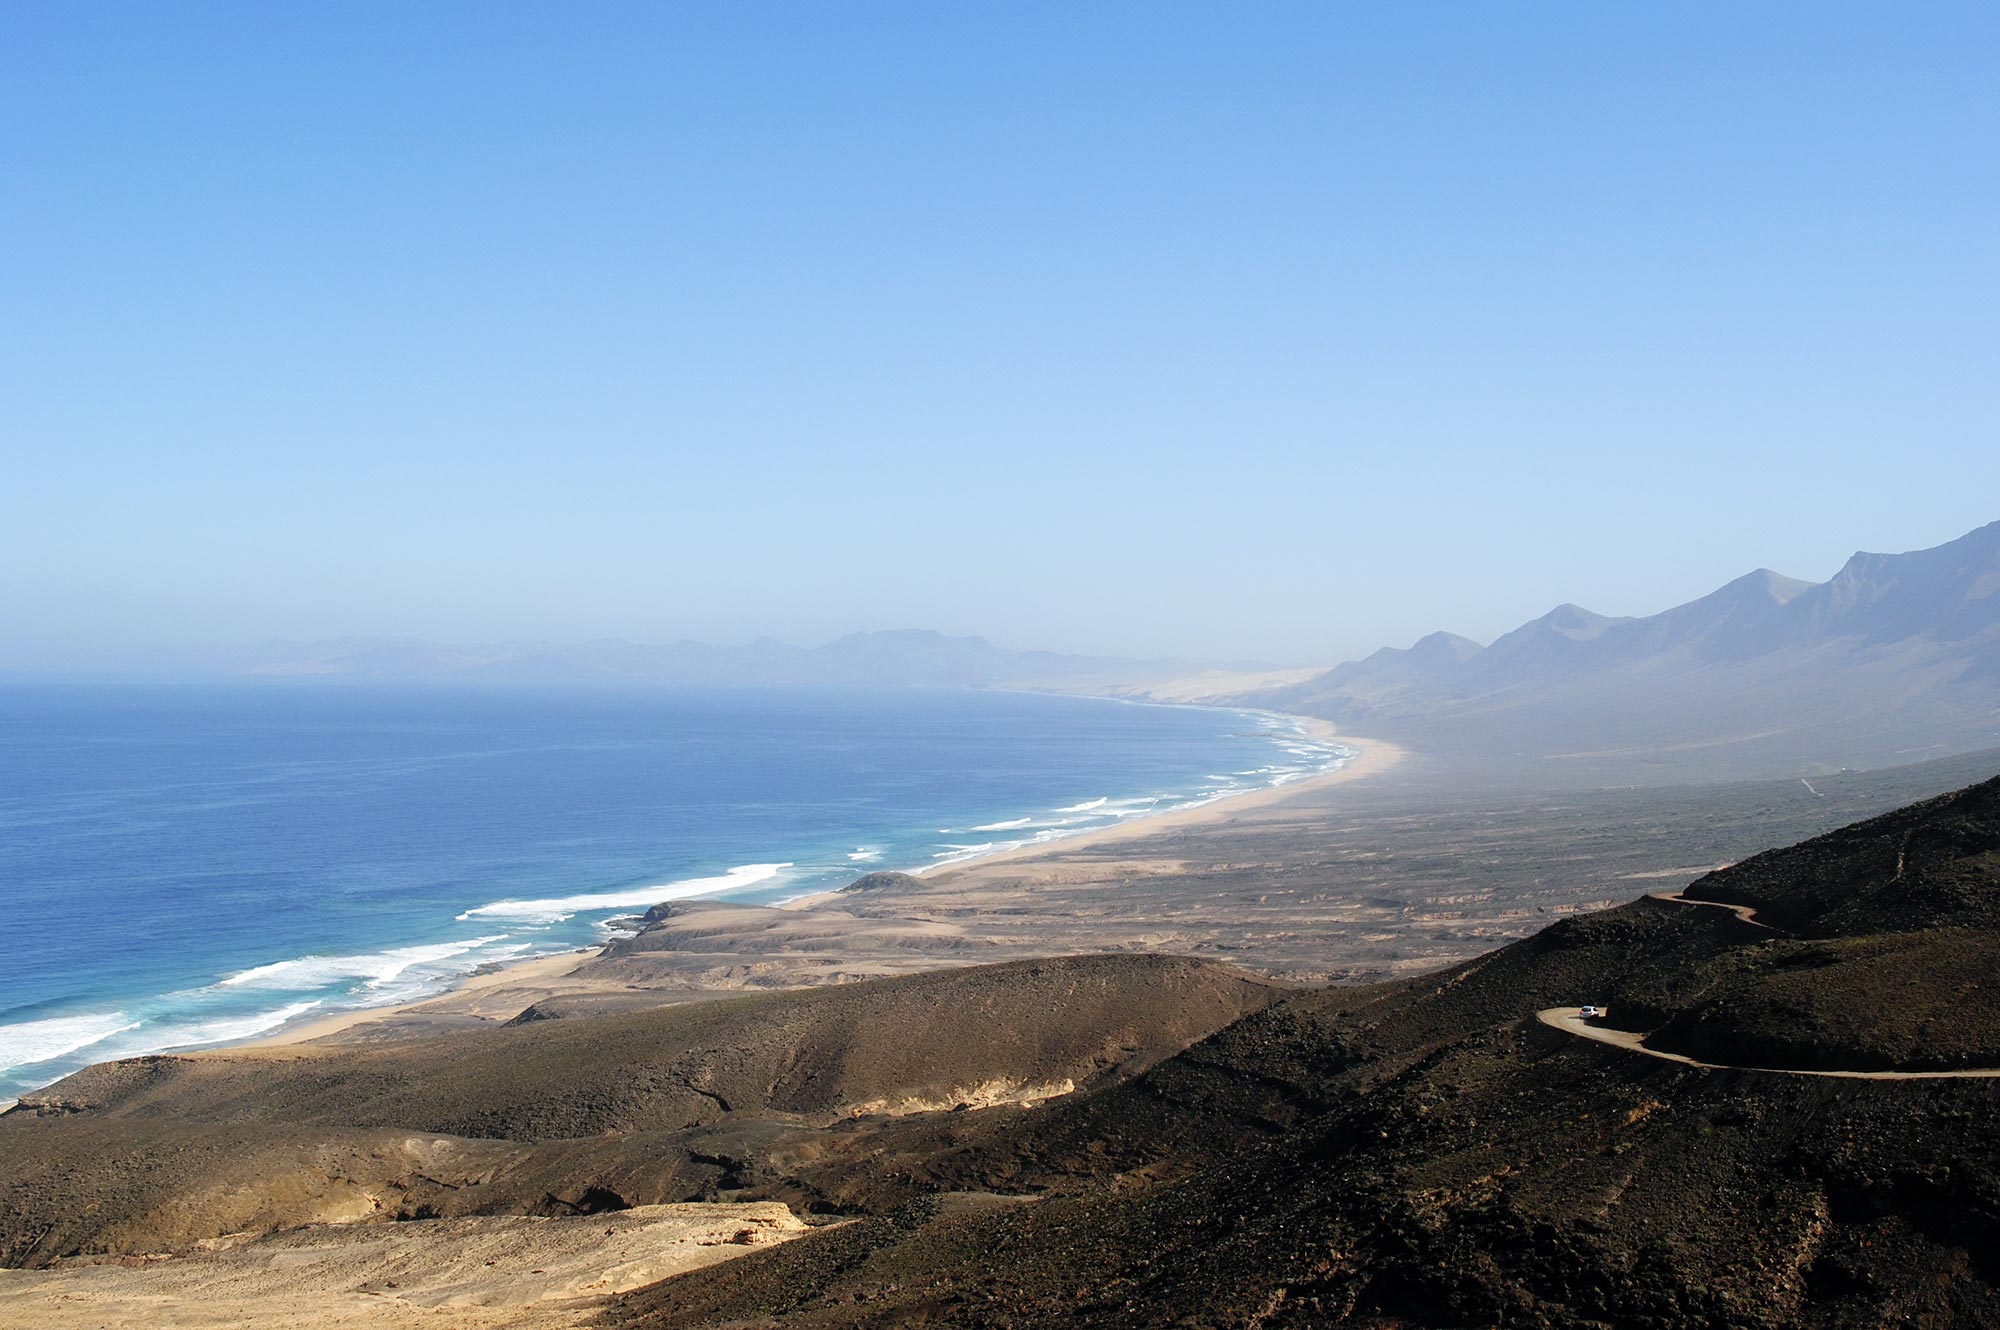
x: 1310, y: 757
x: 219, y: 1030
x: 954, y: 854
x: 239, y: 1000
x: 377, y: 968
x: 30, y: 1042
x: 1131, y: 807
x: 119, y: 1034
x: 558, y: 908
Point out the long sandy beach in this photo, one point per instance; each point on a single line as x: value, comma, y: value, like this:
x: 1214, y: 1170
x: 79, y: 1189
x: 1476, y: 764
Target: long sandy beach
x: 502, y: 993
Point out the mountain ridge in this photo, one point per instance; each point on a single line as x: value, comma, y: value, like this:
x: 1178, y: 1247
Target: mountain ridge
x: 1895, y: 654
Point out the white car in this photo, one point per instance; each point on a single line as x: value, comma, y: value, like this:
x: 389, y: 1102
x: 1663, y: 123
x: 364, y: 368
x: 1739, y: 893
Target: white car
x: 1589, y: 1013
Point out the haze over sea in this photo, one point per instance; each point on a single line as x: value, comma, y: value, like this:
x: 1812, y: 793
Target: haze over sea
x: 194, y: 865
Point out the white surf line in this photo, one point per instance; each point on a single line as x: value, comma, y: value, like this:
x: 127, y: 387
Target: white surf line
x: 1106, y: 806
x: 1569, y: 1021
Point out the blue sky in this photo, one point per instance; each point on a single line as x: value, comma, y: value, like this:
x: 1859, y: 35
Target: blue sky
x: 1276, y: 331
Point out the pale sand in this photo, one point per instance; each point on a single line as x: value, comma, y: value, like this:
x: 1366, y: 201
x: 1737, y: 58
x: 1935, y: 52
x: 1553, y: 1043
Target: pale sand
x: 498, y: 995
x: 505, y: 993
x: 497, y: 1271
x: 1374, y: 756
x: 1215, y: 687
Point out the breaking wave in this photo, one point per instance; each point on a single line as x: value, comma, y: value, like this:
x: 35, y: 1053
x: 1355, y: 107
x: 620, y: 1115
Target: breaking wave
x: 555, y: 909
x: 377, y: 968
x: 29, y: 1042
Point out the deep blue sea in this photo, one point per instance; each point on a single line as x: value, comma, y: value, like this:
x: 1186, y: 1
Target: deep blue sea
x: 184, y: 866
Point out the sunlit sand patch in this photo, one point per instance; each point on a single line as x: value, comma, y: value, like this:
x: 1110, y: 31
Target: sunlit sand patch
x: 475, y: 1272
x: 986, y: 1094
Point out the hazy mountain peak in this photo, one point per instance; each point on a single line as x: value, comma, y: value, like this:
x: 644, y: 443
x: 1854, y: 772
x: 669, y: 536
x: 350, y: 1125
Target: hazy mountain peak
x: 1768, y: 584
x: 1569, y: 618
x: 1567, y: 621
x: 1740, y: 615
x: 1444, y: 645
x: 1432, y: 654
x: 1951, y: 592
x: 1974, y: 552
x: 1897, y: 654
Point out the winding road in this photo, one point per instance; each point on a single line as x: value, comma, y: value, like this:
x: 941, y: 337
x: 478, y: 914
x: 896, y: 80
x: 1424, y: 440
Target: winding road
x: 1743, y: 912
x: 1570, y: 1021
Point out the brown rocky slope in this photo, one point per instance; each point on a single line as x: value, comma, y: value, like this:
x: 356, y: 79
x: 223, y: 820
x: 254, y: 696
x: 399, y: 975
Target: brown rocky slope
x: 1425, y: 1154
x: 1417, y: 1153
x: 568, y: 1116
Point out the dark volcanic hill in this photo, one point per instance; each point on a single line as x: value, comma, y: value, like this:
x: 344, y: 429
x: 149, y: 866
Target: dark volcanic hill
x: 1425, y: 1153
x: 1428, y: 1154
x: 558, y: 1116
x: 1895, y: 659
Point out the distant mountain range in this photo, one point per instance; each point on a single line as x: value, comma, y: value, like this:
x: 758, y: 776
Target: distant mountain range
x: 1896, y: 658
x: 885, y: 659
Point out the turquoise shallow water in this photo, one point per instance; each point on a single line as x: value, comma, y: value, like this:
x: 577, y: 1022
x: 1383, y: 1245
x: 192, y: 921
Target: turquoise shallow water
x: 187, y: 866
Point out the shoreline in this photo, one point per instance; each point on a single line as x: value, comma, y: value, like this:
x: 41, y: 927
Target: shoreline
x: 1371, y: 757
x: 535, y: 969
x: 1311, y: 727
x: 531, y: 980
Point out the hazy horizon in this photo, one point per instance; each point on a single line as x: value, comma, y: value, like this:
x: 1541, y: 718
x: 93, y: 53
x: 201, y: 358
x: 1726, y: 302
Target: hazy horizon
x: 1283, y: 336
x: 200, y: 656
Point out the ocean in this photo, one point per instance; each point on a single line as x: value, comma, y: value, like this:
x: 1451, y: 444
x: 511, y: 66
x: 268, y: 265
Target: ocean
x: 187, y: 866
